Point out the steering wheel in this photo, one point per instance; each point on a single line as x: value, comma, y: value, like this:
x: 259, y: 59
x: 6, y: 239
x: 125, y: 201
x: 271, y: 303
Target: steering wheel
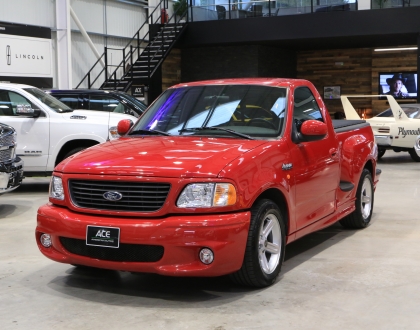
x: 264, y: 121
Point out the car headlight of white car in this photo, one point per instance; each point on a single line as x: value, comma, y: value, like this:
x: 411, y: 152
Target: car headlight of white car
x: 113, y: 133
x: 207, y: 195
x: 56, y: 188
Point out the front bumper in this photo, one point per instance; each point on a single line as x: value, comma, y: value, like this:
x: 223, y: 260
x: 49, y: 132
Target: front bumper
x: 181, y: 237
x: 383, y: 140
x: 11, y: 175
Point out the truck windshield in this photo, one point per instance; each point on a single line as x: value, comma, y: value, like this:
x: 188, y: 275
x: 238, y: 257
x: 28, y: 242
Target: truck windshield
x: 49, y: 100
x: 248, y: 110
x: 137, y: 103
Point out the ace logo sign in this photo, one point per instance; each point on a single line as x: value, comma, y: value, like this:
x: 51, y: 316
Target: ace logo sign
x: 137, y: 91
x: 103, y: 236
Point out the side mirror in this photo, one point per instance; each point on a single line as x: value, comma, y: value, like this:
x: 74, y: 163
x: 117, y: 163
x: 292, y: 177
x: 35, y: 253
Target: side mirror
x: 26, y: 110
x: 124, y: 126
x: 313, y: 130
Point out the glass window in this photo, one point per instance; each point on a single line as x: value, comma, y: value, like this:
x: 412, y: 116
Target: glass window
x: 70, y: 100
x: 9, y: 101
x: 305, y: 106
x: 48, y: 100
x: 108, y: 104
x: 257, y: 111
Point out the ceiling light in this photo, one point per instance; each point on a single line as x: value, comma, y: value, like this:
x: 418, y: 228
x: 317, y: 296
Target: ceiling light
x: 391, y: 49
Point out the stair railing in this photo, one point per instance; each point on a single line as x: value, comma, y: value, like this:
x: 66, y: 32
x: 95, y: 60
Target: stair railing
x: 127, y: 52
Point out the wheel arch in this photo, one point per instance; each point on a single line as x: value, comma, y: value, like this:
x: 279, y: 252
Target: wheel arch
x: 280, y: 199
x: 70, y: 145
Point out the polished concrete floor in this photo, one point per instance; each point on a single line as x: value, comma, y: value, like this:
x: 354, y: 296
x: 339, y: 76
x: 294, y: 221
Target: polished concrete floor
x: 333, y: 279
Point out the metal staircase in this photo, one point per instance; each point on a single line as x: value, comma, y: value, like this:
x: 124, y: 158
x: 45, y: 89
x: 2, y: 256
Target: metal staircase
x: 141, y: 57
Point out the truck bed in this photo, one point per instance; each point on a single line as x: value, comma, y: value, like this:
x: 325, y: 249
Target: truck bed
x: 344, y: 125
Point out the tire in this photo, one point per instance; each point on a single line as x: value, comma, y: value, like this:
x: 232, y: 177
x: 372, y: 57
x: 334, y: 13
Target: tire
x: 265, y: 246
x: 381, y: 152
x: 73, y: 151
x: 415, y: 155
x: 361, y: 217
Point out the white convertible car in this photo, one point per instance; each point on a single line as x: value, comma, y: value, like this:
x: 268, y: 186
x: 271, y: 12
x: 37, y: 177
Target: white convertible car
x: 397, y: 128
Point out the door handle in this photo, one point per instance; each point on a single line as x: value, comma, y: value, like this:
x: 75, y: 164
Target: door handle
x: 333, y: 152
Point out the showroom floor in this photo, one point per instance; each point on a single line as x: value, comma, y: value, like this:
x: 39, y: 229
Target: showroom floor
x: 333, y: 279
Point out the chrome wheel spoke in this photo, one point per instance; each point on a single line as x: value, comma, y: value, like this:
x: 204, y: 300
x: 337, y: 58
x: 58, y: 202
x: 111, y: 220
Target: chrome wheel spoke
x: 365, y: 199
x: 268, y: 228
x: 272, y: 248
x: 269, y: 244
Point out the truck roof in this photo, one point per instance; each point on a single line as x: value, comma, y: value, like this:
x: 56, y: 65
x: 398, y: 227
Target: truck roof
x: 284, y: 82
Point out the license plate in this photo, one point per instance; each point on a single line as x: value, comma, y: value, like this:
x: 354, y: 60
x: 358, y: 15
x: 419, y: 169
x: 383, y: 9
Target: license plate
x: 103, y: 236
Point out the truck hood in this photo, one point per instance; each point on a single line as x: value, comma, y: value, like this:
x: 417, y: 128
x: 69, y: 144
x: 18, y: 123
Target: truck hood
x: 97, y: 116
x: 159, y: 156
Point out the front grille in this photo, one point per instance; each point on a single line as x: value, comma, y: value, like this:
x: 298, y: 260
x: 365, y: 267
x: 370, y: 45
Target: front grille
x: 7, y: 140
x: 5, y: 155
x: 136, y: 196
x: 126, y: 252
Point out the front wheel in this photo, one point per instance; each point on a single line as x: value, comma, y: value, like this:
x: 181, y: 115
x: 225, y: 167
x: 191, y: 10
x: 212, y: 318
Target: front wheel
x: 381, y: 152
x: 360, y: 218
x: 265, y: 246
x: 73, y: 151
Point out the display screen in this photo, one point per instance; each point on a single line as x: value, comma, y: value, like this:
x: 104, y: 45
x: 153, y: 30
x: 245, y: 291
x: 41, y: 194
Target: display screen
x: 402, y: 85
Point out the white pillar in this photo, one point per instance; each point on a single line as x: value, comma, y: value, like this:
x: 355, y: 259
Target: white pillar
x: 64, y: 65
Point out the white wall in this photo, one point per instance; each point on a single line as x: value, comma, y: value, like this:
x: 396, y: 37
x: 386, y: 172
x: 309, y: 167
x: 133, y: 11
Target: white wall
x: 364, y: 4
x: 107, y: 22
x: 31, y: 12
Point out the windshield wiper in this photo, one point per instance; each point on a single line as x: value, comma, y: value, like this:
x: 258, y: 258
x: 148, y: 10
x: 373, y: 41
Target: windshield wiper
x: 150, y: 132
x: 212, y: 128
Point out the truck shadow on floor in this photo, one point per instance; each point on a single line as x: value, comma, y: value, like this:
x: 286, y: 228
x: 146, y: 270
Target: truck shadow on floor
x: 139, y: 289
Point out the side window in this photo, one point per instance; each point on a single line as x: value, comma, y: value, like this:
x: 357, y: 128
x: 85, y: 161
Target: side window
x: 105, y: 103
x: 71, y: 100
x: 305, y: 105
x: 9, y: 101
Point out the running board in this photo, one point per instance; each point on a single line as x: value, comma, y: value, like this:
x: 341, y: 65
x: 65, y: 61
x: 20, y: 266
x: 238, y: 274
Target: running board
x: 346, y: 186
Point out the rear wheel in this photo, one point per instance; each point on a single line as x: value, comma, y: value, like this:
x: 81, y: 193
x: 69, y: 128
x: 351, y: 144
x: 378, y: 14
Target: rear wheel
x: 360, y: 218
x: 73, y: 151
x: 415, y: 154
x: 265, y: 246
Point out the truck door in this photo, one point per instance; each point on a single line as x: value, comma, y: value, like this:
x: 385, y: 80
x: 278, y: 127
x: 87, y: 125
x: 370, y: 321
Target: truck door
x: 32, y: 133
x: 315, y: 165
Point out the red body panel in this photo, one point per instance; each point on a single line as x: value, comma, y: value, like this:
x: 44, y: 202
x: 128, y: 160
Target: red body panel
x: 309, y: 190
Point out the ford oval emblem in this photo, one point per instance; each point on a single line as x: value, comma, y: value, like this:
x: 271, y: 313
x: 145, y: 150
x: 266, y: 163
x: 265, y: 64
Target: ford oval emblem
x: 112, y: 195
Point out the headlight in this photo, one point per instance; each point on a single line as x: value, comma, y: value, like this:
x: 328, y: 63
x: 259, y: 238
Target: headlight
x: 113, y: 133
x: 56, y: 188
x: 207, y: 195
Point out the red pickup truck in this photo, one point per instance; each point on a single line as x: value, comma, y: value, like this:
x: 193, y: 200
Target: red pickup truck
x: 215, y: 178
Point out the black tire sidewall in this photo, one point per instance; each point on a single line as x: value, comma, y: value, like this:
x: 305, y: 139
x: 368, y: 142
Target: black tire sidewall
x: 73, y: 151
x: 414, y: 155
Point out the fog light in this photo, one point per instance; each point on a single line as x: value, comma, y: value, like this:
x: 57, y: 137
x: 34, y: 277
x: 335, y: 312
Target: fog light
x: 206, y: 256
x: 45, y: 240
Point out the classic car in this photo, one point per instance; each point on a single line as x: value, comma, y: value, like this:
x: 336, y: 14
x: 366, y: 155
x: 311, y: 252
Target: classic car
x: 396, y: 128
